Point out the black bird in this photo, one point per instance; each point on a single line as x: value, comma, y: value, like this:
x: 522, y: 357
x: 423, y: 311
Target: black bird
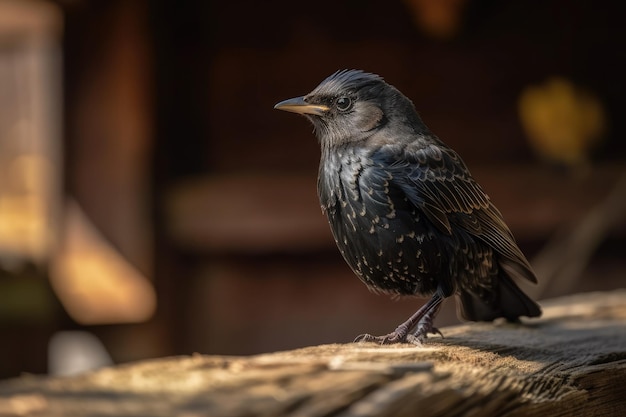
x: 404, y: 210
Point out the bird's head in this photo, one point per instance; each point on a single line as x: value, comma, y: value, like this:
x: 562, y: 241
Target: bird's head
x: 352, y: 105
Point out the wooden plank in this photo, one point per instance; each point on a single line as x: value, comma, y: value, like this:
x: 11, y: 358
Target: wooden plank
x: 265, y: 213
x: 572, y: 361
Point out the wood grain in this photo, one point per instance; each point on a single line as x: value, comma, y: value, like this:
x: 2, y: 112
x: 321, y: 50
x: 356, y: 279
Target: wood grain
x: 572, y: 361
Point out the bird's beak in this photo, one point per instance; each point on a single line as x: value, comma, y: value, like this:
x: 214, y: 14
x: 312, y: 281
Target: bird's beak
x: 298, y: 105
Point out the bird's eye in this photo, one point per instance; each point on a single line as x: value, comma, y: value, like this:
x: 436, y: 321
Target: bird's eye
x: 343, y: 103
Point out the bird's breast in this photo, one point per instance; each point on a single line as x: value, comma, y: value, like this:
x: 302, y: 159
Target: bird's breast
x: 380, y: 234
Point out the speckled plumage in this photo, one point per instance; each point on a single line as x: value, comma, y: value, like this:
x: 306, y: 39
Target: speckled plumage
x: 404, y: 210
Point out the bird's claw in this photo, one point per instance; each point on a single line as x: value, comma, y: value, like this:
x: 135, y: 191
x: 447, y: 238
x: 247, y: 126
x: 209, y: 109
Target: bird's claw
x: 416, y: 338
x: 422, y: 333
x: 387, y: 339
x: 435, y: 330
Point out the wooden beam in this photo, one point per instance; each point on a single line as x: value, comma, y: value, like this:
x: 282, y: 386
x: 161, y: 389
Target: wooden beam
x: 281, y: 212
x: 572, y: 361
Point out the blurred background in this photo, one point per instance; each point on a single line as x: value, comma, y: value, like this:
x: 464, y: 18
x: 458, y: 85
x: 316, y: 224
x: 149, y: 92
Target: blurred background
x: 153, y: 203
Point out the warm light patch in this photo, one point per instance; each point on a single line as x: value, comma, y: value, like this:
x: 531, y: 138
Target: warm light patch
x: 437, y: 18
x: 562, y: 121
x: 25, y: 220
x: 93, y: 281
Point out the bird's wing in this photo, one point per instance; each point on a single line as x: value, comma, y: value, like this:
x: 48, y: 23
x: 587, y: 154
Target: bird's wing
x: 436, y: 180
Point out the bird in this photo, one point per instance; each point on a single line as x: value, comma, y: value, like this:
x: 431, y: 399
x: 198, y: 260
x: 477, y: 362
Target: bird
x: 404, y: 210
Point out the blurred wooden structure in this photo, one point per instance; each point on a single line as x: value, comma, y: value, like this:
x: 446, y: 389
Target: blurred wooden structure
x: 278, y: 212
x: 244, y: 256
x: 255, y: 242
x: 570, y: 362
x: 31, y: 181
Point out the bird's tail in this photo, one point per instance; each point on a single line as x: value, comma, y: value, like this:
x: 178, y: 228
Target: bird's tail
x: 511, y: 303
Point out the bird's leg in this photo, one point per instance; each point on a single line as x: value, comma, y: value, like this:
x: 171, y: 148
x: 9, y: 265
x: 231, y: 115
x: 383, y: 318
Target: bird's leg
x: 423, y: 319
x: 425, y: 326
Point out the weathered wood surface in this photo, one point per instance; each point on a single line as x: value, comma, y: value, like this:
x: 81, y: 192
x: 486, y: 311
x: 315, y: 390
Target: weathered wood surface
x: 572, y: 361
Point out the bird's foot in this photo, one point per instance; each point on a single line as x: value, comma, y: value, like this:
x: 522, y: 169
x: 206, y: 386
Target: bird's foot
x: 421, y: 333
x: 416, y: 338
x: 422, y: 321
x: 388, y: 339
x: 397, y: 336
x: 424, y: 327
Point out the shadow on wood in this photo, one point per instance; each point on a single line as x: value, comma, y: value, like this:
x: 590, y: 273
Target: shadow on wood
x: 572, y: 361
